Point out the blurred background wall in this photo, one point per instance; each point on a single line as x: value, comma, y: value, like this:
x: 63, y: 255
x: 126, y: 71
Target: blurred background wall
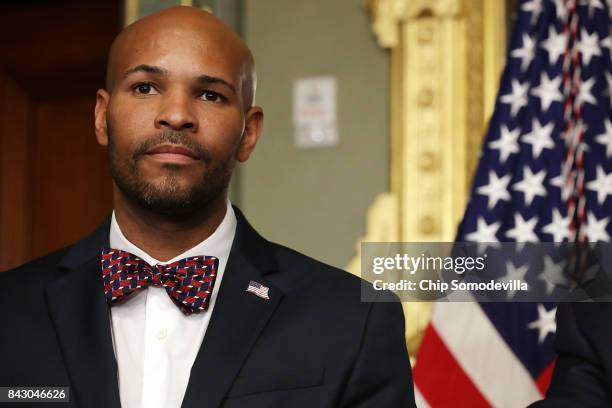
x: 315, y: 200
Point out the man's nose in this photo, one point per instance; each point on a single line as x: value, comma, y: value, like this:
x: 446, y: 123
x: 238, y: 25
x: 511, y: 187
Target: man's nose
x: 177, y: 113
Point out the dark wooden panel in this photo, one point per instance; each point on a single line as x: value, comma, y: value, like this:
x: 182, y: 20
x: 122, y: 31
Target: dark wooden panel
x: 54, y: 182
x: 71, y: 189
x: 49, y: 47
x: 14, y: 203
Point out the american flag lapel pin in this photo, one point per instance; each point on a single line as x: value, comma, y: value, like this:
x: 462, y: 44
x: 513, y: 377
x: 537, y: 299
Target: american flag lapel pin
x: 258, y: 289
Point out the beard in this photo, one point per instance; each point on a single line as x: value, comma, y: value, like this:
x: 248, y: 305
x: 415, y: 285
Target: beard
x: 170, y: 197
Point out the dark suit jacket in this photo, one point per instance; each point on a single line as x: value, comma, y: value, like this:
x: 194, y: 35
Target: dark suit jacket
x: 312, y: 344
x: 583, y: 373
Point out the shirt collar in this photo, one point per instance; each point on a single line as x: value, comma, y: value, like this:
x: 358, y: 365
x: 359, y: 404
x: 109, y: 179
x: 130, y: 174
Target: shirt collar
x: 218, y: 244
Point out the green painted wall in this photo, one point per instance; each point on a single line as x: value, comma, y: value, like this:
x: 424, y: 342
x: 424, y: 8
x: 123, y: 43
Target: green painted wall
x: 146, y: 7
x: 315, y: 200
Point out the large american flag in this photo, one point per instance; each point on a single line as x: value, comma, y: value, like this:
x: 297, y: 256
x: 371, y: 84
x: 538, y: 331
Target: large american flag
x: 544, y: 175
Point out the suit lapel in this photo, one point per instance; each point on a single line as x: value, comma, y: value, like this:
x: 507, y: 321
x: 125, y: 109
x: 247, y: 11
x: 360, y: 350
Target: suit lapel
x: 80, y: 317
x: 237, y: 321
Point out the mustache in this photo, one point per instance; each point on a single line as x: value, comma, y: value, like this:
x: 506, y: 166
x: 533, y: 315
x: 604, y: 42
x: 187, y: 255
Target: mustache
x: 173, y: 137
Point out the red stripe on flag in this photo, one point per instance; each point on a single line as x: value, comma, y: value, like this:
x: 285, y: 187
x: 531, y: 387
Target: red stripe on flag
x: 543, y: 381
x: 441, y: 379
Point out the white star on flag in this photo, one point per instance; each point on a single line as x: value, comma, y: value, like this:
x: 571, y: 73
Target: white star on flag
x: 602, y: 185
x: 484, y: 234
x: 584, y: 93
x: 555, y: 44
x: 531, y: 185
x: 540, y: 137
x: 545, y: 323
x: 526, y: 53
x: 523, y: 230
x: 534, y: 7
x: 517, y: 98
x: 507, y: 143
x: 595, y: 229
x: 588, y: 45
x: 552, y: 275
x: 496, y: 190
x: 548, y: 91
x: 606, y: 137
x: 560, y: 183
x: 558, y: 227
x: 513, y: 273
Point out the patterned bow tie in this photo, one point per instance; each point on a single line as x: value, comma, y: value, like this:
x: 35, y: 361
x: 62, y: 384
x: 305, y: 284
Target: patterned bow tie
x: 189, y: 281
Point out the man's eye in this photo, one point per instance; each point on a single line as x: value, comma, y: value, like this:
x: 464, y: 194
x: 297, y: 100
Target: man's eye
x: 144, y: 89
x: 211, y: 96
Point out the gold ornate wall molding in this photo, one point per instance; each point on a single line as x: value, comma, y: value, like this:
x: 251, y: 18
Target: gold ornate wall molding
x: 390, y: 14
x: 427, y: 39
x: 446, y: 57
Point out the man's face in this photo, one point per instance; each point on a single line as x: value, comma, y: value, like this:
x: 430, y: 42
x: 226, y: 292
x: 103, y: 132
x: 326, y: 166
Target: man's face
x: 174, y: 120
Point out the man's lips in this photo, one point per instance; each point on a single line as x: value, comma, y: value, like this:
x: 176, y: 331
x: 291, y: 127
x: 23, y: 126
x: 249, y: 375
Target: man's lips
x: 172, y: 154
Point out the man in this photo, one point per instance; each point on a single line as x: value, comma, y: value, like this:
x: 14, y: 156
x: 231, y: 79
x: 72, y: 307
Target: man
x: 583, y: 372
x: 176, y: 300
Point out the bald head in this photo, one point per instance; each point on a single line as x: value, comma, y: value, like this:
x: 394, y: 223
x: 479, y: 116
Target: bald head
x: 207, y: 35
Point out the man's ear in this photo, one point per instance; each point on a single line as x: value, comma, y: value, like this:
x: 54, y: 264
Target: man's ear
x: 252, y: 131
x: 102, y: 98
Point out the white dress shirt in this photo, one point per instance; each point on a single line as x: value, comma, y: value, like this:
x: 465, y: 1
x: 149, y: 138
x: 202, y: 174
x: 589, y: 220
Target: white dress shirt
x: 155, y: 343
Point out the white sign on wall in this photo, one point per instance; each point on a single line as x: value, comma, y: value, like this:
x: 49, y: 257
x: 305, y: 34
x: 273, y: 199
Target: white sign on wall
x: 314, y: 112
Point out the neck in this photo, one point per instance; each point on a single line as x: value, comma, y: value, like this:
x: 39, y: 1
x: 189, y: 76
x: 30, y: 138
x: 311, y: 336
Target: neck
x: 164, y: 238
